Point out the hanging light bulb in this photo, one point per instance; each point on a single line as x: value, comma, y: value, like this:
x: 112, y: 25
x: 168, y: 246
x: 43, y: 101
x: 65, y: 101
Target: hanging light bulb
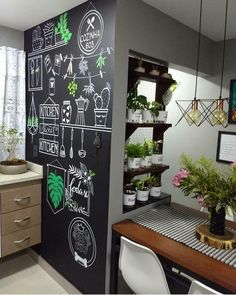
x: 194, y: 116
x: 140, y: 69
x: 219, y: 116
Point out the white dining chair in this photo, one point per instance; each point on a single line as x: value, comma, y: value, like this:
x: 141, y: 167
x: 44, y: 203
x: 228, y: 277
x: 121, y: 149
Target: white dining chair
x: 141, y: 269
x: 199, y: 288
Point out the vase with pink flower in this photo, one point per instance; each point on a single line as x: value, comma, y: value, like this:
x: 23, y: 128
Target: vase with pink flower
x: 213, y: 189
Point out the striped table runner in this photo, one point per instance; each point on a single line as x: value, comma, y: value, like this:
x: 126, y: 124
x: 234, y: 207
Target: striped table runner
x: 180, y: 226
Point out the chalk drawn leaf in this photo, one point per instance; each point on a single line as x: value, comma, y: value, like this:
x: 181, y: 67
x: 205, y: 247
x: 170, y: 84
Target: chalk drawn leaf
x: 75, y: 171
x: 100, y: 61
x: 56, y: 188
x: 83, y: 65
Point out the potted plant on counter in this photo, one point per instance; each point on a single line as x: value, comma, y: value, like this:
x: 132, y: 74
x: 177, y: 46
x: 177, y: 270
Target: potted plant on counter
x: 157, y: 156
x: 9, y: 139
x: 146, y: 161
x: 129, y: 196
x: 154, y: 182
x: 134, y: 153
x: 142, y: 190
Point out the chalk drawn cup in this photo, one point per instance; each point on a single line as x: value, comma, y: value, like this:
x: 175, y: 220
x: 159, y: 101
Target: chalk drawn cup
x: 90, y: 32
x: 100, y: 117
x: 84, y: 254
x: 66, y: 111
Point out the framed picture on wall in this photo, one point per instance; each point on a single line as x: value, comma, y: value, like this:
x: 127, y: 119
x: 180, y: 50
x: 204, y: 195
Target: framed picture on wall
x: 226, y: 147
x: 232, y: 102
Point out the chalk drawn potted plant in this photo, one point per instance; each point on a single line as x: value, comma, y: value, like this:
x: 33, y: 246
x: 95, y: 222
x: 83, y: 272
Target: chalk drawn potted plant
x: 157, y: 156
x: 62, y: 32
x: 10, y: 138
x: 101, y: 106
x: 55, y: 188
x: 134, y: 153
x: 154, y: 182
x: 129, y: 196
x: 37, y: 40
x: 142, y: 190
x: 48, y: 34
x: 146, y: 161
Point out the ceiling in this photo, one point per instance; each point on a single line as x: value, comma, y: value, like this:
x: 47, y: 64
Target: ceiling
x: 13, y: 13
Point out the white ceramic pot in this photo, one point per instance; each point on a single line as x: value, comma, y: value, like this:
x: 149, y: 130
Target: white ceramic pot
x: 134, y: 116
x: 157, y: 159
x: 129, y: 199
x: 134, y: 163
x: 147, y: 116
x: 146, y: 162
x: 162, y: 117
x: 142, y: 196
x: 155, y: 191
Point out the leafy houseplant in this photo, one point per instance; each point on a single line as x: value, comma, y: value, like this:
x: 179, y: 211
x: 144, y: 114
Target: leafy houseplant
x: 154, y: 183
x: 147, y: 154
x: 9, y: 139
x: 134, y: 153
x: 201, y: 180
x: 129, y: 196
x: 142, y: 190
x: 157, y: 156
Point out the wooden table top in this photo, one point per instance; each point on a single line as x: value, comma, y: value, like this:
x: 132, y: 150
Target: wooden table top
x: 207, y: 267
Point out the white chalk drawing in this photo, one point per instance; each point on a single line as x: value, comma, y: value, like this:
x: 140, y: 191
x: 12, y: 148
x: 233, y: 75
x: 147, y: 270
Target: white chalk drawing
x: 37, y: 40
x: 49, y: 110
x: 52, y: 86
x: 83, y: 65
x: 101, y: 106
x: 71, y: 143
x: 48, y: 147
x: 57, y: 64
x: 62, y: 147
x: 66, y: 112
x: 69, y: 71
x: 49, y: 129
x: 35, y: 76
x: 101, y: 62
x: 56, y: 177
x: 90, y: 32
x: 48, y: 31
x: 82, y: 242
x: 48, y: 63
x: 32, y: 119
x: 82, y: 106
x: 79, y: 189
x: 82, y: 152
x: 89, y: 89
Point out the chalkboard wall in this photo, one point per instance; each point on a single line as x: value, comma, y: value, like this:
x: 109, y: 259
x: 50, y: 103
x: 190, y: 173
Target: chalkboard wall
x: 69, y: 112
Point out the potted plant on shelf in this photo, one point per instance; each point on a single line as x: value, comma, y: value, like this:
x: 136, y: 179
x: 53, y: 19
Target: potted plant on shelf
x: 142, y: 190
x: 9, y: 139
x: 157, y: 156
x: 154, y: 182
x: 217, y: 191
x: 146, y: 161
x: 134, y: 153
x: 129, y: 196
x: 135, y: 104
x: 156, y: 109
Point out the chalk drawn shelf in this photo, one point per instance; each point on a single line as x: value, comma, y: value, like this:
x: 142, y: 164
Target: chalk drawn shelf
x: 87, y: 127
x: 158, y: 127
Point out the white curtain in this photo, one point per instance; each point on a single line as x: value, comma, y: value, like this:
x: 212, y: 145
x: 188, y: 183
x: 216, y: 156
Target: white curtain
x: 12, y: 92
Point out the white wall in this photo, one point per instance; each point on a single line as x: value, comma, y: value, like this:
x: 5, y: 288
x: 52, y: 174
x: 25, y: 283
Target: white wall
x: 11, y: 38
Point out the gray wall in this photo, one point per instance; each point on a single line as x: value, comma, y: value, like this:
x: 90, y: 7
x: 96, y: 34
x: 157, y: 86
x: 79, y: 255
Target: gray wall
x: 11, y: 38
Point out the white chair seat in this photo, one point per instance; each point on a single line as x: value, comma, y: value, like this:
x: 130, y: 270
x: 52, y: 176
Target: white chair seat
x: 199, y: 288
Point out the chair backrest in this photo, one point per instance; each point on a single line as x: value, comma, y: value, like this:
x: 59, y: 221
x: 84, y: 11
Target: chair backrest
x: 199, y: 288
x: 141, y: 269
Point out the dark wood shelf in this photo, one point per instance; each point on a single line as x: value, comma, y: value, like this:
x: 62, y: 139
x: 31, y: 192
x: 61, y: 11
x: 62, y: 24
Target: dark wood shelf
x: 150, y: 201
x: 159, y: 127
x: 129, y: 174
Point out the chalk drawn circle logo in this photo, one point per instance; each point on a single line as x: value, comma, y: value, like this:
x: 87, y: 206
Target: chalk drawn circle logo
x: 90, y: 32
x: 82, y: 242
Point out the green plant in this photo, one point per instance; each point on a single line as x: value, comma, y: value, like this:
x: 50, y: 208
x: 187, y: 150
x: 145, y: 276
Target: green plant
x: 153, y: 181
x: 129, y: 189
x: 156, y: 146
x: 200, y: 179
x: 135, y: 101
x: 147, y: 148
x: 134, y: 150
x: 9, y: 139
x: 55, y: 188
x: 72, y: 87
x: 141, y: 185
x: 62, y: 28
x: 155, y: 107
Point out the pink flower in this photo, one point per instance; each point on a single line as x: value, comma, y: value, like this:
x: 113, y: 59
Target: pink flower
x: 183, y: 173
x: 201, y: 202
x: 176, y: 181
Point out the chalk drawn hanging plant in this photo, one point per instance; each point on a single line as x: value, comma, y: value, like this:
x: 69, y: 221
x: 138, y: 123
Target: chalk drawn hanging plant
x: 100, y: 63
x: 89, y: 89
x: 62, y: 28
x: 83, y: 65
x: 72, y: 87
x: 55, y: 188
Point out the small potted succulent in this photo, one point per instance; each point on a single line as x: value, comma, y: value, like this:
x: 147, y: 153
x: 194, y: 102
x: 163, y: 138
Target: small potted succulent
x: 142, y: 190
x: 157, y: 156
x: 134, y: 153
x: 9, y: 139
x: 146, y: 161
x: 154, y: 183
x: 135, y: 104
x: 129, y: 196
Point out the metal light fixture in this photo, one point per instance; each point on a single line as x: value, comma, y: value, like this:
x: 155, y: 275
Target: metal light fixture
x: 140, y: 68
x: 191, y: 113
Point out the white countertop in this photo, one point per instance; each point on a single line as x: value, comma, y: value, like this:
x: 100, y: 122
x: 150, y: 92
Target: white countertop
x: 34, y: 172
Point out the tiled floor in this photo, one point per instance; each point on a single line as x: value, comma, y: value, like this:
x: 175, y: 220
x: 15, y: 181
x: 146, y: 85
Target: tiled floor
x: 20, y: 274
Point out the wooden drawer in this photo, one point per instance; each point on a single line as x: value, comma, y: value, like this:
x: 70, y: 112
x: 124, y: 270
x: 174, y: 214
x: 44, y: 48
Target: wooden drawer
x: 19, y: 198
x: 20, y: 239
x: 20, y: 219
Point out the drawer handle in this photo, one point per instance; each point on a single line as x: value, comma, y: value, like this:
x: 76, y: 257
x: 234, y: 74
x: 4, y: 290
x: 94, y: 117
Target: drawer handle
x: 23, y: 240
x: 17, y: 200
x: 22, y: 220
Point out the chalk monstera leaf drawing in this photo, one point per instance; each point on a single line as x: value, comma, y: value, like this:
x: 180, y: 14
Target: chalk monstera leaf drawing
x: 55, y: 188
